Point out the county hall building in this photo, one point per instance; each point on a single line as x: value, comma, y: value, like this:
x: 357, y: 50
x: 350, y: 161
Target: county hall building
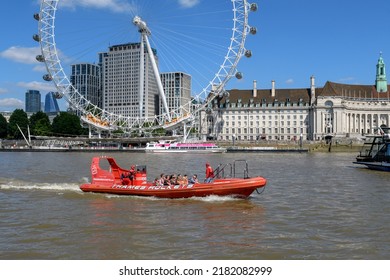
x: 338, y: 110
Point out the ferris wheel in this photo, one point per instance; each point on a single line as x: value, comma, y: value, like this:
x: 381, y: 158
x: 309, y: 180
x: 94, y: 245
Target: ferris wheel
x: 168, y: 117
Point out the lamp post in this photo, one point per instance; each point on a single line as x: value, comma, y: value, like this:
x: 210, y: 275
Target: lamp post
x: 301, y: 141
x: 234, y: 138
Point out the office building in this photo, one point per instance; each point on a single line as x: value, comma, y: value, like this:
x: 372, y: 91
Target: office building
x: 33, y: 101
x: 51, y: 104
x: 85, y: 77
x: 121, y: 82
x: 177, y: 88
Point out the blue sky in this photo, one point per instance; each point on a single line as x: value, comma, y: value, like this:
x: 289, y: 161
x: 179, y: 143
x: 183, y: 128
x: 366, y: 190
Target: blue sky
x: 337, y: 41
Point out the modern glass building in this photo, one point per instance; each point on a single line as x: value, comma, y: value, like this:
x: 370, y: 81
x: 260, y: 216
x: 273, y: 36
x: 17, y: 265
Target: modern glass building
x: 51, y: 105
x: 85, y: 77
x: 177, y: 88
x: 33, y: 101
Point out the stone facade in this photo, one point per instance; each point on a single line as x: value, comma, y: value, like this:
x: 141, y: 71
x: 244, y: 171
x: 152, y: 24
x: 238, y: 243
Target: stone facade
x: 337, y: 110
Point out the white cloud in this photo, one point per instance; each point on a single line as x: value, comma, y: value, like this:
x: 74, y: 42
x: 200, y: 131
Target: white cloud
x: 3, y: 90
x: 11, y: 102
x: 28, y: 56
x: 41, y: 86
x: 188, y: 3
x: 119, y: 6
x: 290, y: 81
x: 21, y: 54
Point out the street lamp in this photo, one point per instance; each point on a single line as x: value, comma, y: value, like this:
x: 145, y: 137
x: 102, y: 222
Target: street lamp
x: 301, y: 141
x: 234, y: 138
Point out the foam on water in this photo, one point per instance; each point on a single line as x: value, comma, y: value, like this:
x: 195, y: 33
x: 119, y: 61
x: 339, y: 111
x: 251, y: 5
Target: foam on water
x: 216, y: 198
x: 23, y: 185
x: 211, y: 198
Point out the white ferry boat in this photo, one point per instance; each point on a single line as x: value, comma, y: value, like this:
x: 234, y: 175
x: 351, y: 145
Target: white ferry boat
x: 179, y: 147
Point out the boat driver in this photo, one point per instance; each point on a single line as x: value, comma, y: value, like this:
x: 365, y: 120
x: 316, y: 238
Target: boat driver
x: 209, y: 173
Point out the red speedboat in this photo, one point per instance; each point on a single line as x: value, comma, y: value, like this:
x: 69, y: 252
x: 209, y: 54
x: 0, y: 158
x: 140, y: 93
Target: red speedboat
x: 113, y: 181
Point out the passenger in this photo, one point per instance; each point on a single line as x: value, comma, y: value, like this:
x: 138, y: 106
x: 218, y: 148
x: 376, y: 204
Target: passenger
x: 132, y: 174
x: 173, y: 179
x: 185, y: 179
x: 167, y: 180
x: 180, y: 180
x: 194, y: 179
x: 162, y: 179
x: 209, y: 173
x: 125, y: 178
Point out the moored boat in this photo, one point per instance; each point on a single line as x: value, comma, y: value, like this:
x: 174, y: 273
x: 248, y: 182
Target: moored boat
x: 375, y: 153
x: 115, y: 180
x: 179, y: 147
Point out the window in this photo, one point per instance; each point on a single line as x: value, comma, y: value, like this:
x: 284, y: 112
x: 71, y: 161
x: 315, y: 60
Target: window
x: 329, y: 103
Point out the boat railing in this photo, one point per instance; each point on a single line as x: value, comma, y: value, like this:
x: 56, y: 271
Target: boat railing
x: 219, y: 172
x: 365, y: 152
x: 239, y: 169
x: 243, y: 168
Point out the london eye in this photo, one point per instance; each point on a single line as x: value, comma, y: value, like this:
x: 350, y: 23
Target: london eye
x: 149, y: 35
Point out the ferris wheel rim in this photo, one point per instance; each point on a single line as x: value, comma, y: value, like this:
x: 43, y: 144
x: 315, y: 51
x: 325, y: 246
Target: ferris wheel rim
x: 102, y: 119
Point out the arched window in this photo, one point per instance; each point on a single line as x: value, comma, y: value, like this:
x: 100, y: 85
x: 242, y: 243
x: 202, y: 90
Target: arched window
x: 329, y: 103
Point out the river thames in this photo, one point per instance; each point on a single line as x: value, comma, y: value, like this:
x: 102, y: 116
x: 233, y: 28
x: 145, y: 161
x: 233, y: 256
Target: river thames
x: 315, y: 206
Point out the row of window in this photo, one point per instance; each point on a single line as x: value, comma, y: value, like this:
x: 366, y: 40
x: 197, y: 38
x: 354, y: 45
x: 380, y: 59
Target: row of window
x: 270, y: 124
x: 262, y: 131
x: 261, y: 105
x: 258, y: 117
x: 235, y: 112
x: 258, y: 137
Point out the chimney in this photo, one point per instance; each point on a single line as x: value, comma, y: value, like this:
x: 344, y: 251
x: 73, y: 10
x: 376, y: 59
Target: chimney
x: 273, y: 89
x: 254, y: 89
x: 312, y: 90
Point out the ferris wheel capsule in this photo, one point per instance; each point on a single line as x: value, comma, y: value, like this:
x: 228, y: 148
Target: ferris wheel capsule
x: 40, y: 58
x: 253, y: 30
x: 58, y: 95
x: 36, y: 37
x: 47, y: 77
x: 239, y: 75
x: 248, y: 53
x: 37, y: 16
x: 253, y: 7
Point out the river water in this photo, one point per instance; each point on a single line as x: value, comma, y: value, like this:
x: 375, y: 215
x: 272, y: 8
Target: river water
x: 315, y: 206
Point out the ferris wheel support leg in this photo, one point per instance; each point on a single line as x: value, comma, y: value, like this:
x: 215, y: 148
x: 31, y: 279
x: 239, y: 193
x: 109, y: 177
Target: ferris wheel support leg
x: 141, y: 78
x: 185, y: 135
x: 157, y: 76
x: 89, y: 131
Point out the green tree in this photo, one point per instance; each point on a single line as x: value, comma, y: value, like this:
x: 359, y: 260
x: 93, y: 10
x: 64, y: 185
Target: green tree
x: 3, y: 127
x: 67, y: 124
x: 18, y: 118
x: 40, y: 124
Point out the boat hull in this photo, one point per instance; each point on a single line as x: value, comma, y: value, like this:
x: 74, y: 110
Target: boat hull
x: 178, y: 147
x: 192, y: 151
x: 241, y: 188
x: 380, y: 166
x: 375, y: 153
